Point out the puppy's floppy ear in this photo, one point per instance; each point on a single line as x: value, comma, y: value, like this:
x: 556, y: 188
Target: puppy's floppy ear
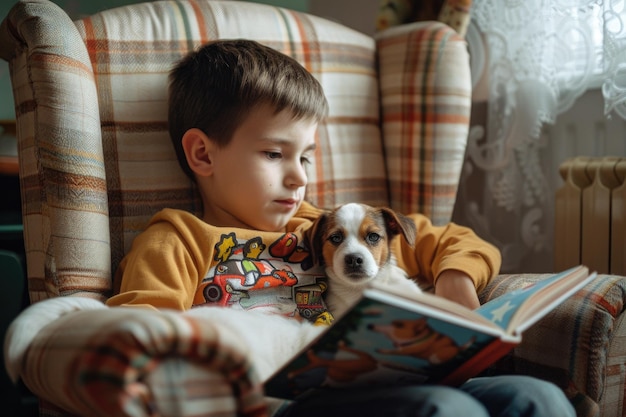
x: 398, y: 223
x: 314, y: 237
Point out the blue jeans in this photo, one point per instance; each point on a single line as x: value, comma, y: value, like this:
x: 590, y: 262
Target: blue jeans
x: 501, y: 396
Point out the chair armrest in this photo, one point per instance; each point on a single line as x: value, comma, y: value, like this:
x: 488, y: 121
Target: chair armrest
x: 426, y: 89
x: 62, y: 164
x: 579, y: 346
x: 88, y: 359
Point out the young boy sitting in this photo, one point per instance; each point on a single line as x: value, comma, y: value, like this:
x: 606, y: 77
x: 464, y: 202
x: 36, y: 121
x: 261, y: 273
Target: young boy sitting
x: 243, y: 119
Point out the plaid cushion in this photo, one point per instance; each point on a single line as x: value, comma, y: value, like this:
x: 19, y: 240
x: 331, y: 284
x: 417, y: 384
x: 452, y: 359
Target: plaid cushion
x: 426, y: 97
x: 132, y: 49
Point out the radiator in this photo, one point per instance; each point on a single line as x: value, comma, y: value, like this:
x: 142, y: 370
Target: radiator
x: 590, y: 215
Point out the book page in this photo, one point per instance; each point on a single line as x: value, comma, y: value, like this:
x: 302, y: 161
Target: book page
x: 518, y: 310
x: 435, y: 306
x: 432, y: 301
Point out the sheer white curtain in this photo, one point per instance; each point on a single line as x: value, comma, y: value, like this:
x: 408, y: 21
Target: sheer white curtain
x: 532, y: 59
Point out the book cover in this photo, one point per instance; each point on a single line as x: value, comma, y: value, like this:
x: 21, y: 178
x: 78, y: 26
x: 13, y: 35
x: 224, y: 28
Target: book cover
x: 387, y: 339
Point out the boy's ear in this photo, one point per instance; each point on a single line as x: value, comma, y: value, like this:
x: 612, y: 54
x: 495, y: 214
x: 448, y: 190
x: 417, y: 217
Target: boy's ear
x: 199, y: 151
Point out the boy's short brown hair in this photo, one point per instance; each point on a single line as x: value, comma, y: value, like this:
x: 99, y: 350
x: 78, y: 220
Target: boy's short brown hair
x: 215, y: 88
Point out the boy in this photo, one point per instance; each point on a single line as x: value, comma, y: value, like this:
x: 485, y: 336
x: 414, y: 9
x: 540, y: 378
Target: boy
x: 242, y: 120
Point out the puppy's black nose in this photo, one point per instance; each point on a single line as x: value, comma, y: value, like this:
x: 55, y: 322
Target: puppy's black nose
x: 353, y: 261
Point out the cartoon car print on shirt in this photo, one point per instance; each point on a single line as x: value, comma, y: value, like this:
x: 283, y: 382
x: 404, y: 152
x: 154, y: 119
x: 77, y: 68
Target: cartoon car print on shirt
x: 234, y: 276
x: 309, y: 299
x: 282, y: 267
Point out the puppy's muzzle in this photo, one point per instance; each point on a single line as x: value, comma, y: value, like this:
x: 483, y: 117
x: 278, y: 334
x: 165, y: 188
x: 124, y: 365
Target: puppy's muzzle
x: 353, y: 265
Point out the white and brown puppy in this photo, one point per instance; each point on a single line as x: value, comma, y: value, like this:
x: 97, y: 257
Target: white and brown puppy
x: 353, y: 243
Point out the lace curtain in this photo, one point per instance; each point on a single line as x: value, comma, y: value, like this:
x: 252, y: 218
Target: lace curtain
x: 534, y: 58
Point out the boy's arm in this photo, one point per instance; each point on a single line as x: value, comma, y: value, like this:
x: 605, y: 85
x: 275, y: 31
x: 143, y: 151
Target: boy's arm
x: 452, y: 258
x: 457, y: 286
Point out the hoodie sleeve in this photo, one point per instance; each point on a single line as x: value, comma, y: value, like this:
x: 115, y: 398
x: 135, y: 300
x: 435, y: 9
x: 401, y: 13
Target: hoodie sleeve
x: 439, y: 248
x: 164, y: 267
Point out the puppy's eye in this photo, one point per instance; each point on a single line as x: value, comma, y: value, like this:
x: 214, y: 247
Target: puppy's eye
x: 335, y: 238
x: 372, y: 238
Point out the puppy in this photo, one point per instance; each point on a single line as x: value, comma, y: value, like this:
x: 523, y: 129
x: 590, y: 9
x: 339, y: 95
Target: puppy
x: 353, y: 243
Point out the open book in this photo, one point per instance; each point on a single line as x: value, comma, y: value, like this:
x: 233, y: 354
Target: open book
x: 388, y: 339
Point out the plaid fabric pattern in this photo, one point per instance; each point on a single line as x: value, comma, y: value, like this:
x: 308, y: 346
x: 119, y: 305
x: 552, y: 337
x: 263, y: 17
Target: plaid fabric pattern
x: 425, y: 85
x: 90, y: 360
x: 62, y: 174
x: 101, y: 168
x: 580, y: 346
x: 132, y: 49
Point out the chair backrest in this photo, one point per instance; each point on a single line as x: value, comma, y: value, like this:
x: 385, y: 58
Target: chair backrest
x: 95, y: 157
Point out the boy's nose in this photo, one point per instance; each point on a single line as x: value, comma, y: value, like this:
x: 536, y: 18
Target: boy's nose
x: 297, y: 176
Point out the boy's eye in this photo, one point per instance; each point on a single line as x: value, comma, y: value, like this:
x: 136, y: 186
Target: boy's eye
x: 305, y: 160
x: 273, y: 155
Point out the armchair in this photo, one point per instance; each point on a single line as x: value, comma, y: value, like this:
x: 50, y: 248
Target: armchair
x: 96, y: 164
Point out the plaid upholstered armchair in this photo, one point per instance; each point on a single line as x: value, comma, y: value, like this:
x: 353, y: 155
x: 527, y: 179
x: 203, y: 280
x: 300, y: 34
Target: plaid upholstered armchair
x: 96, y: 164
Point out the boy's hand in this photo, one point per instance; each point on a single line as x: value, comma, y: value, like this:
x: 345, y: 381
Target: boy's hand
x: 458, y: 287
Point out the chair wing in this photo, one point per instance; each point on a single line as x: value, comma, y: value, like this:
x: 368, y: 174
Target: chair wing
x: 425, y: 85
x: 61, y: 155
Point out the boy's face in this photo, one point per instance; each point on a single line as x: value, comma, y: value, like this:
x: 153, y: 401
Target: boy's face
x: 258, y: 180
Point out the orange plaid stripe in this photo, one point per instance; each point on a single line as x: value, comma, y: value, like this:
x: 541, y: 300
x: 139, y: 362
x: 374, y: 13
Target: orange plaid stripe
x: 426, y: 101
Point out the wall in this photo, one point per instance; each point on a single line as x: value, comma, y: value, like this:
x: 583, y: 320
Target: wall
x: 344, y: 12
